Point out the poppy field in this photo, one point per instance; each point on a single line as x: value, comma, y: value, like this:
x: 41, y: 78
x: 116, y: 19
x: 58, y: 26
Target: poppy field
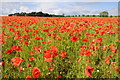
x: 59, y: 47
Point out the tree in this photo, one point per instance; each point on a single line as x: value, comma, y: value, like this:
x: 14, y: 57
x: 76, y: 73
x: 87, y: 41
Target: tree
x: 93, y: 15
x: 87, y: 15
x: 36, y: 14
x: 83, y: 15
x: 79, y: 15
x: 111, y: 16
x: 10, y: 15
x: 63, y: 14
x: 104, y: 14
x: 75, y: 15
x: 23, y: 14
x: 39, y: 13
x: 17, y: 14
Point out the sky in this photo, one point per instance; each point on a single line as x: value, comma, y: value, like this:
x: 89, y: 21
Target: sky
x: 66, y: 7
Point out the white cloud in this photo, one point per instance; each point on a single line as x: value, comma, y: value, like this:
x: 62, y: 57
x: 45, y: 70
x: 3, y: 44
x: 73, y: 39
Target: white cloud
x: 52, y: 8
x: 37, y: 0
x: 8, y: 7
x: 59, y: 0
x: 24, y: 9
x: 46, y: 6
x: 79, y: 11
x: 113, y: 11
x: 102, y: 0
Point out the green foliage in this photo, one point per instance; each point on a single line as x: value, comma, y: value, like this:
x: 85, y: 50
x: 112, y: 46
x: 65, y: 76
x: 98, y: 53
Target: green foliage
x: 104, y: 14
x: 71, y: 66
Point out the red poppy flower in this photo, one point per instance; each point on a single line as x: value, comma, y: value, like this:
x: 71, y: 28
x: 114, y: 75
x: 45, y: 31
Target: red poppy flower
x: 82, y: 51
x: 54, y: 53
x: 104, y: 47
x: 88, y: 71
x: 92, y: 47
x: 28, y: 37
x: 16, y: 61
x: 37, y: 48
x: 101, y: 33
x: 86, y: 40
x: 99, y: 40
x: 89, y: 61
x: 9, y: 51
x: 107, y: 60
x: 36, y: 31
x: 31, y: 52
x: 45, y: 30
x: 74, y: 38
x: 59, y: 76
x: 43, y: 42
x: 111, y: 32
x: 49, y: 41
x: 26, y: 43
x: 29, y: 65
x: 11, y: 29
x: 54, y: 48
x: 47, y: 55
x: 17, y: 37
x: 50, y: 68
x: 58, y: 38
x: 36, y: 72
x: 79, y: 35
x: 2, y: 63
x: 22, y: 39
x: 21, y: 69
x: 84, y: 46
x: 17, y: 33
x: 31, y: 58
x: 48, y: 34
x: 117, y: 69
x: 38, y: 38
x: 17, y: 48
x: 48, y: 59
x: 2, y: 41
x: 28, y: 78
x: 113, y: 63
x: 112, y: 48
x: 87, y: 53
x: 63, y: 54
x: 32, y: 33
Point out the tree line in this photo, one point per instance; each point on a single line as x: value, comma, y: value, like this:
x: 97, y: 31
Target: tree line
x: 41, y: 14
x: 36, y: 14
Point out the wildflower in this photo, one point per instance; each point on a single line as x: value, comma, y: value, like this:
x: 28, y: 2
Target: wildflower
x: 50, y: 68
x: 112, y: 48
x: 31, y: 58
x: 9, y: 51
x: 74, y: 38
x: 36, y: 72
x: 59, y: 76
x: 63, y: 54
x: 104, y: 47
x: 38, y: 38
x: 28, y: 78
x: 16, y: 61
x: 89, y: 70
x: 99, y: 40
